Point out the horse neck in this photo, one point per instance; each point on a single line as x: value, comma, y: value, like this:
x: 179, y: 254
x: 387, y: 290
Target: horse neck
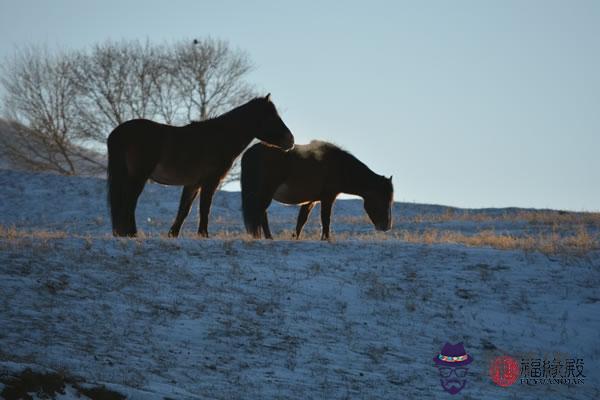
x: 358, y: 178
x: 233, y: 126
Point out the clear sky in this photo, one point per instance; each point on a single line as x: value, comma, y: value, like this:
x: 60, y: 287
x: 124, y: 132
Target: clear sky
x: 467, y: 103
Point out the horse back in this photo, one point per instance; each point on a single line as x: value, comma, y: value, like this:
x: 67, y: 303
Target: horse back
x: 270, y: 165
x: 140, y: 142
x: 314, y: 173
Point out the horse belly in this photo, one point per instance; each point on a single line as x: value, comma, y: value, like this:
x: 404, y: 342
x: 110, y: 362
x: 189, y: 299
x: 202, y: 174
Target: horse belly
x: 290, y: 195
x: 168, y: 176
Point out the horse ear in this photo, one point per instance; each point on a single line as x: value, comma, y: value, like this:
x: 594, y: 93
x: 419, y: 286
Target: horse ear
x: 390, y: 178
x: 268, y: 97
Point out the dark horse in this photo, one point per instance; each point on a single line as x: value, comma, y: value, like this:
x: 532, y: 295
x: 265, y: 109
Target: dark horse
x: 196, y: 156
x: 318, y: 171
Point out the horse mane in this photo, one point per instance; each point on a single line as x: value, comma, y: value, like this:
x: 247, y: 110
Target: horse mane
x: 350, y: 159
x: 254, y: 101
x: 354, y: 167
x: 321, y: 148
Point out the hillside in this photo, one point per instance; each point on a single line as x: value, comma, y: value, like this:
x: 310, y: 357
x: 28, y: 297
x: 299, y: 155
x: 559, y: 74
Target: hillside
x: 21, y: 149
x: 227, y: 317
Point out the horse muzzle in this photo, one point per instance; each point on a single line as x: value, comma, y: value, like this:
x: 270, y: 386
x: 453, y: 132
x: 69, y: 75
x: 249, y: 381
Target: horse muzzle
x: 383, y: 227
x: 288, y: 143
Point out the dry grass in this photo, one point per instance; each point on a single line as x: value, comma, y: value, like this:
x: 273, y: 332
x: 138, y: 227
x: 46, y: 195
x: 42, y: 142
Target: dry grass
x: 12, y: 233
x: 534, y: 217
x: 578, y: 241
x: 581, y: 242
x: 548, y: 217
x: 556, y: 231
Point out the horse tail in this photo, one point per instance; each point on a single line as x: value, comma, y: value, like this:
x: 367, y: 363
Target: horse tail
x: 116, y: 181
x: 251, y: 184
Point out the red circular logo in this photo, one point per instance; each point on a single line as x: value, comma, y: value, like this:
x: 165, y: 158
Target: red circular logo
x: 504, y: 371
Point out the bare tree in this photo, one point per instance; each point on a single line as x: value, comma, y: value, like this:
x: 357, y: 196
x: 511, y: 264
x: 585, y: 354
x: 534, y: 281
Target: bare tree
x: 39, y: 102
x: 69, y: 102
x: 115, y: 82
x: 209, y: 79
x: 166, y: 101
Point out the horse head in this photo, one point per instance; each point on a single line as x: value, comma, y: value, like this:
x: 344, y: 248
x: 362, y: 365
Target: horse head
x: 378, y: 203
x: 271, y: 128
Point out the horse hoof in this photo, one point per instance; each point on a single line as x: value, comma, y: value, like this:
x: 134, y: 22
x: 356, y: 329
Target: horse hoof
x: 117, y: 233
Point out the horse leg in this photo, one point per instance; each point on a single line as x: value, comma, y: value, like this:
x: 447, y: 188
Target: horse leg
x: 206, y: 195
x: 134, y: 189
x: 326, y: 206
x: 265, y: 226
x: 303, y: 217
x: 260, y: 211
x: 188, y: 195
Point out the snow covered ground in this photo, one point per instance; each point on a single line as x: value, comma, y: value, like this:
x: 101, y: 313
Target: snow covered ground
x: 233, y: 318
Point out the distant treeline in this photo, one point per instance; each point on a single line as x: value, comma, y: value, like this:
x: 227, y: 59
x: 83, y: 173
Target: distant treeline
x: 60, y: 106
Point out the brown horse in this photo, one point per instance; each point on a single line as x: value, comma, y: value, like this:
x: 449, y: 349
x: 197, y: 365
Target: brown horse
x: 310, y: 173
x: 196, y: 156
